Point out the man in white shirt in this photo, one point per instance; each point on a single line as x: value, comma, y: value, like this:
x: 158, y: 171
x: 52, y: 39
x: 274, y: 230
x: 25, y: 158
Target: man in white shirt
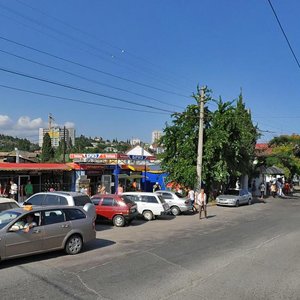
x: 202, y: 201
x: 191, y: 196
x: 13, y: 190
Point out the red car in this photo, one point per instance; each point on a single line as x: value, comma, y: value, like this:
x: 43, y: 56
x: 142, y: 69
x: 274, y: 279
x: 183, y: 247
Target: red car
x: 114, y: 207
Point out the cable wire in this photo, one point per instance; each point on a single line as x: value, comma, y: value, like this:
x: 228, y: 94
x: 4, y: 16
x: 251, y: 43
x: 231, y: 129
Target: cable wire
x: 91, y: 68
x: 86, y: 78
x: 80, y: 89
x: 78, y: 100
x: 284, y: 34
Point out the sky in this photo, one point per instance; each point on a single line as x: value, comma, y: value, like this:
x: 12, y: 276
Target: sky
x: 120, y: 68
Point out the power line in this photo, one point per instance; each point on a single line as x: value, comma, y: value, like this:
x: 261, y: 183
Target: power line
x: 85, y: 78
x: 284, y: 34
x: 77, y: 100
x: 120, y: 49
x: 81, y: 89
x: 60, y: 33
x: 91, y: 68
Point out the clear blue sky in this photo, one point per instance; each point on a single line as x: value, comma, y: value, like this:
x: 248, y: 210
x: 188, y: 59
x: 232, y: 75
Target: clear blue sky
x: 170, y: 45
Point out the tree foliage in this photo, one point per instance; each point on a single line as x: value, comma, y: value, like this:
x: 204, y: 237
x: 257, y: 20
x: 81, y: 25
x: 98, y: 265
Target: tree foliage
x: 285, y: 154
x: 47, y: 150
x: 229, y: 143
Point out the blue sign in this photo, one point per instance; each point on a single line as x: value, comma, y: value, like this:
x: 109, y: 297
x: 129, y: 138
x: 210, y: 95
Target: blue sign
x: 137, y: 157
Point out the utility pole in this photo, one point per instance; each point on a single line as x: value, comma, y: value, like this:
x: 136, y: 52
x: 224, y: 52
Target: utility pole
x: 200, y: 137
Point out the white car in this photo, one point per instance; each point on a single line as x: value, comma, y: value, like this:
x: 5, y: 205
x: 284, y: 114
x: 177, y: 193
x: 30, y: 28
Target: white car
x: 234, y: 197
x: 176, y: 201
x: 7, y: 203
x: 148, y: 204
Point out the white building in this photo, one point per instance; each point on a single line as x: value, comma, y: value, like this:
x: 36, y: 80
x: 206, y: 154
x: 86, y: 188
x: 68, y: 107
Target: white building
x: 57, y: 134
x: 156, y: 135
x: 135, y: 141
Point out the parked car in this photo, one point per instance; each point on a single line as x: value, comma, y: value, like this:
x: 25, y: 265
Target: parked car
x: 148, y: 204
x: 176, y: 201
x: 234, y: 197
x: 116, y: 208
x: 62, y: 198
x: 7, y: 203
x: 55, y: 227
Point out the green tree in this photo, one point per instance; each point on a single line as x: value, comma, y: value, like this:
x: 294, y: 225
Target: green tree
x: 47, y: 150
x: 229, y: 143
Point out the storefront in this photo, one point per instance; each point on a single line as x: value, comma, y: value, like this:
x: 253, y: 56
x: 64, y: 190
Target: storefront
x: 43, y: 176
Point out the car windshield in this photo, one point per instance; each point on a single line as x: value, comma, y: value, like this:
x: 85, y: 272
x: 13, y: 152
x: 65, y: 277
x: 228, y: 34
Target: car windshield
x: 128, y: 201
x: 8, y: 205
x: 179, y: 195
x: 232, y: 192
x: 7, y: 216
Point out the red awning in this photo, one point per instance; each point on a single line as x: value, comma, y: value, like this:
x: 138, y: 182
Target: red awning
x: 34, y: 166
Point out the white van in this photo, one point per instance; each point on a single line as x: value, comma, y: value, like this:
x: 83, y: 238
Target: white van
x: 148, y: 204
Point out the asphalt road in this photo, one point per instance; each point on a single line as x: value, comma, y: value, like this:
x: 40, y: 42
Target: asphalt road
x: 250, y: 252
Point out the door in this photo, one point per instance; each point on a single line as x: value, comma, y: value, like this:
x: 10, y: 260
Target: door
x: 106, y: 208
x: 151, y: 203
x: 18, y: 243
x: 56, y: 227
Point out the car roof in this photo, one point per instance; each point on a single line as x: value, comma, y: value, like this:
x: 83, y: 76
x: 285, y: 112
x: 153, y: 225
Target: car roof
x: 66, y: 193
x: 23, y: 209
x: 7, y: 200
x: 106, y: 195
x: 140, y: 193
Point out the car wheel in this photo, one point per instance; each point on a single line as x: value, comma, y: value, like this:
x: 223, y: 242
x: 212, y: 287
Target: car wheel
x: 148, y: 215
x: 175, y: 210
x: 237, y: 203
x: 249, y: 202
x: 74, y: 244
x: 119, y: 221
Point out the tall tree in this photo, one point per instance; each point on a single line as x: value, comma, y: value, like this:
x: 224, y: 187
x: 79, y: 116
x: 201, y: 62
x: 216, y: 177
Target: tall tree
x: 47, y: 150
x: 229, y: 142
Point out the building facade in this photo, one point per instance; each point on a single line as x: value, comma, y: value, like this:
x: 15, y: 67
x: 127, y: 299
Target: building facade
x: 57, y: 134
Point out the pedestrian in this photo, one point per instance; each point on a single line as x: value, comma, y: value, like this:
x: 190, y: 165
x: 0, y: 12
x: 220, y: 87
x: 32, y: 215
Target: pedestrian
x: 273, y: 189
x: 156, y: 187
x: 28, y: 189
x: 202, y: 202
x: 191, y: 196
x: 120, y: 189
x: 13, y: 191
x: 262, y: 189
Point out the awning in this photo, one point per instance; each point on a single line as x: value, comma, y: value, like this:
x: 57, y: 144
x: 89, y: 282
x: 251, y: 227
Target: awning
x: 138, y: 168
x: 129, y: 177
x: 271, y: 170
x: 34, y: 167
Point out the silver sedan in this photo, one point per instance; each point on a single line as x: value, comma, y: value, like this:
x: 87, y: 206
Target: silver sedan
x: 26, y: 231
x: 234, y: 197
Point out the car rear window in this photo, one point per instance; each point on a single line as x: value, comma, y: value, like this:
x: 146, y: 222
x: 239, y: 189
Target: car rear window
x: 232, y: 192
x: 81, y: 200
x: 8, y: 205
x: 128, y: 201
x: 74, y: 214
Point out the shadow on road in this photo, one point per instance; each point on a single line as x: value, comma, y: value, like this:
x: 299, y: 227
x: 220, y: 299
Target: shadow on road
x: 96, y: 244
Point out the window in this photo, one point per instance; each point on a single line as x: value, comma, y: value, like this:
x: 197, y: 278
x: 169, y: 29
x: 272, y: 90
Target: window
x: 81, y: 200
x: 36, y: 199
x: 149, y: 199
x: 51, y: 200
x: 8, y: 205
x: 96, y: 201
x: 74, y: 214
x: 107, y: 202
x: 53, y: 216
x: 133, y: 198
x: 62, y: 200
x: 166, y: 195
x: 127, y: 200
